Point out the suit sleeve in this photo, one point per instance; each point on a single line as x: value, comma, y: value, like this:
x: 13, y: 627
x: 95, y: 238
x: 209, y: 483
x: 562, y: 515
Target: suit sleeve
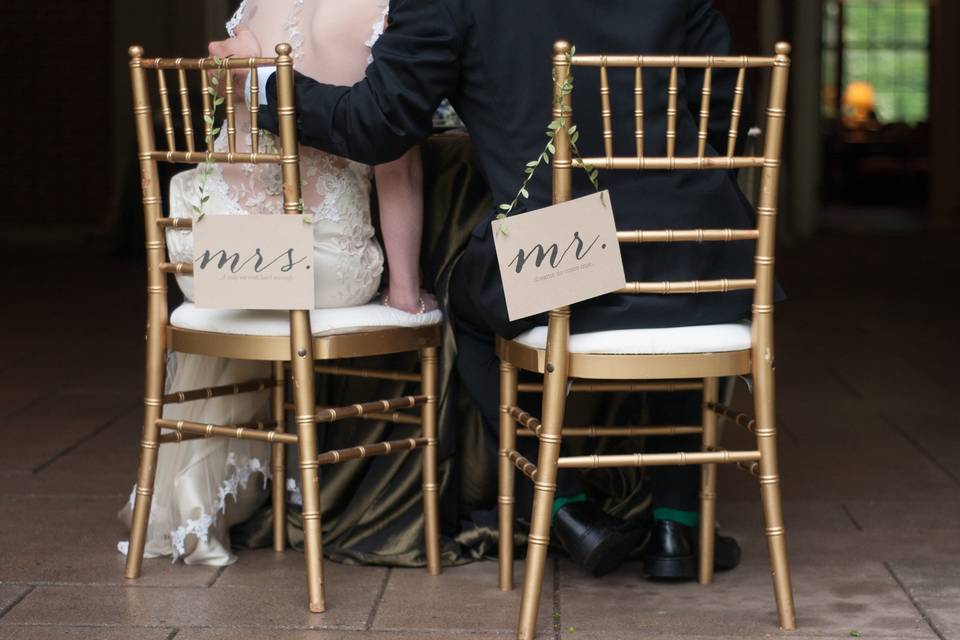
x: 707, y: 33
x: 415, y: 65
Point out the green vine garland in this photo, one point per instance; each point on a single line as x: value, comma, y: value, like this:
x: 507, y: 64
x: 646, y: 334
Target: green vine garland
x: 212, y: 131
x: 550, y: 148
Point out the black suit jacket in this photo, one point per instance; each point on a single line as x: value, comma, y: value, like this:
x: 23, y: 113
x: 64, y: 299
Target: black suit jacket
x: 492, y: 59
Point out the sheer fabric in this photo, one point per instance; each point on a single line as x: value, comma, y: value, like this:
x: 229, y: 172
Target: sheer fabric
x: 204, y: 486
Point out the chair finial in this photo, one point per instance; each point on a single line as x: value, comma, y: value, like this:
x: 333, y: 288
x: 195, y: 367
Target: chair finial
x: 782, y: 48
x: 135, y: 51
x: 283, y: 49
x: 561, y: 47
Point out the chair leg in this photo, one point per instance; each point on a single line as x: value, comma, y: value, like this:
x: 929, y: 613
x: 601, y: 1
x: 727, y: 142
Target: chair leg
x: 708, y: 483
x: 149, y: 448
x: 278, y: 468
x: 428, y: 419
x: 305, y: 408
x: 763, y: 379
x: 508, y: 440
x: 545, y: 479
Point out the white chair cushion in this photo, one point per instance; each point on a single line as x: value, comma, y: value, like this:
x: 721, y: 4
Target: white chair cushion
x: 277, y: 323
x: 710, y: 338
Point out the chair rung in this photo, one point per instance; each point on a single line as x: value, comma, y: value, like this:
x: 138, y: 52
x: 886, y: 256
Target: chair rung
x: 175, y: 223
x: 213, y: 392
x: 638, y: 236
x: 668, y: 164
x: 597, y: 432
x: 359, y: 410
x: 378, y: 374
x: 753, y: 468
x: 179, y: 268
x: 241, y: 432
x: 692, y: 286
x: 196, y: 157
x: 370, y: 450
x: 658, y: 459
x: 743, y: 419
x: 522, y: 464
x: 627, y: 387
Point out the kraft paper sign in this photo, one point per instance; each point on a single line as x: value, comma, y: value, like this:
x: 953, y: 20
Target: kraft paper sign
x: 253, y: 262
x: 558, y: 255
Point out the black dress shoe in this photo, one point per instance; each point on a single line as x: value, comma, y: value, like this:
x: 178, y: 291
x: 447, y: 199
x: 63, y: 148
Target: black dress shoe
x: 595, y: 540
x: 671, y: 552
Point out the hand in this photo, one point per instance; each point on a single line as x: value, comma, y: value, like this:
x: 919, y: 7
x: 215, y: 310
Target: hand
x: 242, y: 45
x: 408, y: 300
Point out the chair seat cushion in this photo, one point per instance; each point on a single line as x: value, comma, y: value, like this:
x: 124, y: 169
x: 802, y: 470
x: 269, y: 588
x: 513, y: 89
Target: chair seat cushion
x: 709, y: 338
x: 332, y: 321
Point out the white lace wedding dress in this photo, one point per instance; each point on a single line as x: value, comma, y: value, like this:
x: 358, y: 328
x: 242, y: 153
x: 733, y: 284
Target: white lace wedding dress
x: 205, y: 486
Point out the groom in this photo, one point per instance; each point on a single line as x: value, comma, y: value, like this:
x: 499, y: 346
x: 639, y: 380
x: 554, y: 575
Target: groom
x: 492, y: 59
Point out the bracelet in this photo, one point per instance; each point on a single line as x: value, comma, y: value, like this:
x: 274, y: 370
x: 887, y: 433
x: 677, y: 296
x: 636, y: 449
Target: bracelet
x: 420, y: 303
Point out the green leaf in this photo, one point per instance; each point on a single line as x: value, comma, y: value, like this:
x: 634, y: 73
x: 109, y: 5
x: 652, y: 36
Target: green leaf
x: 204, y: 199
x: 575, y: 137
x: 533, y: 163
x: 573, y: 51
x: 195, y: 208
x: 856, y: 634
x: 214, y: 80
x: 505, y: 207
x: 554, y: 125
x: 572, y: 130
x: 552, y: 149
x: 524, y: 193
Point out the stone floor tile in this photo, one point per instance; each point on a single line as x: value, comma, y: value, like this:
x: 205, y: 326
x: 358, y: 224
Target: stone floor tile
x: 339, y: 634
x: 944, y: 616
x: 348, y: 588
x: 10, y: 595
x: 830, y: 599
x: 262, y: 607
x: 73, y: 540
x: 461, y: 598
x: 101, y: 464
x: 45, y: 632
x: 894, y: 512
x: 930, y: 578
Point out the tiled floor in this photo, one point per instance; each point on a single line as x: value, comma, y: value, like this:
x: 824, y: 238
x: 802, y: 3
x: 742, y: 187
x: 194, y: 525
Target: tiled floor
x: 871, y: 465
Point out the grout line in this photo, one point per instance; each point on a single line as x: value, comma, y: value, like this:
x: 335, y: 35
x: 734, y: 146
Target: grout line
x: 376, y: 602
x: 5, y: 610
x: 847, y: 511
x: 83, y: 439
x: 913, y: 601
x: 216, y: 576
x: 919, y: 447
x: 557, y: 622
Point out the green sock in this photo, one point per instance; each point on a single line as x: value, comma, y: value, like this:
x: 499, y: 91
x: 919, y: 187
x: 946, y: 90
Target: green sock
x: 688, y: 518
x: 559, y: 503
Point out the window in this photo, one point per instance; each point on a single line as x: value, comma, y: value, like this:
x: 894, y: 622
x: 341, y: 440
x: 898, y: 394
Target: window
x: 885, y: 43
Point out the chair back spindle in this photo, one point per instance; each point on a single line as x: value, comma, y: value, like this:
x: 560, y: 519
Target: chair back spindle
x: 769, y: 162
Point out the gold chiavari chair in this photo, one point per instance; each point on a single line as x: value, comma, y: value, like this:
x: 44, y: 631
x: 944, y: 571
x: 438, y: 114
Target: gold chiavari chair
x: 287, y: 339
x: 591, y: 368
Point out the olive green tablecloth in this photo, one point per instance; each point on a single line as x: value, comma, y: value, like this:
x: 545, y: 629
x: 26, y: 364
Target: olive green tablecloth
x: 372, y: 511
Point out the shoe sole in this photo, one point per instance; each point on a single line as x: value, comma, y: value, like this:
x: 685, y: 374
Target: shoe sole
x: 610, y: 554
x: 678, y: 568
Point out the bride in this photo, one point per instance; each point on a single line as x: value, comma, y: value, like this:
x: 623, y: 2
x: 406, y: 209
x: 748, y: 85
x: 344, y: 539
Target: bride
x: 205, y: 486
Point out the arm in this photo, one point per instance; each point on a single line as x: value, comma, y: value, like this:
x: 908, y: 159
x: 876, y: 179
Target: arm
x: 415, y: 65
x: 400, y: 195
